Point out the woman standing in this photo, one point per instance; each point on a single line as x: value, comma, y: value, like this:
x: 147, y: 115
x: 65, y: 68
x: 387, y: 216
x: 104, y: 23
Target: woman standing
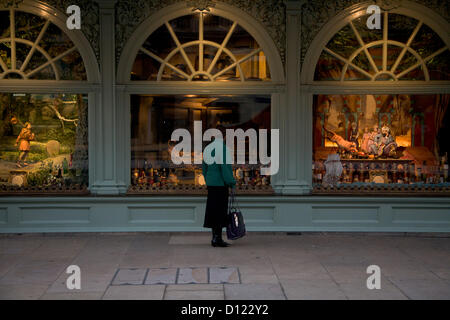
x: 218, y: 177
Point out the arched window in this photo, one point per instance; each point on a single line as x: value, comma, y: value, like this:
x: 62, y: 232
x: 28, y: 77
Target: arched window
x: 182, y: 54
x: 403, y: 48
x: 32, y: 47
x: 200, y: 47
x: 374, y: 129
x: 43, y: 128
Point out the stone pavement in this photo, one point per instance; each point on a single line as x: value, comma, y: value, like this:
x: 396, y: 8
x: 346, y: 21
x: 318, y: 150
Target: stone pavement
x: 259, y: 266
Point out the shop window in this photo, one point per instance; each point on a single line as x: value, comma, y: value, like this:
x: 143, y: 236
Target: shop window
x: 200, y: 47
x: 43, y: 143
x: 387, y: 143
x: 34, y: 48
x: 403, y: 49
x: 155, y: 117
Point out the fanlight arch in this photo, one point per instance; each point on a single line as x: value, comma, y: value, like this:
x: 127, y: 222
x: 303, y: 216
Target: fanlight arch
x: 405, y: 48
x: 34, y: 47
x: 237, y: 56
x: 207, y: 47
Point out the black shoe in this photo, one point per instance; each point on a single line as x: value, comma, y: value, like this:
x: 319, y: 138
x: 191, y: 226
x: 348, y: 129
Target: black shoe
x: 217, y: 241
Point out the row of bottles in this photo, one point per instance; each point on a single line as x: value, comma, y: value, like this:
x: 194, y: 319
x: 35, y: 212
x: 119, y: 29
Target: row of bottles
x: 250, y: 176
x: 396, y: 172
x: 244, y: 175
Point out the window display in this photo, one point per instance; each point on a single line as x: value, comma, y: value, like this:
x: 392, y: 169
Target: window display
x: 43, y: 143
x: 154, y: 118
x: 395, y: 140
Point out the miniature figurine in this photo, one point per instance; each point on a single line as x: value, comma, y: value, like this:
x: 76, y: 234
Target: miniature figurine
x: 354, y: 134
x: 334, y: 170
x: 23, y: 141
x: 387, y: 145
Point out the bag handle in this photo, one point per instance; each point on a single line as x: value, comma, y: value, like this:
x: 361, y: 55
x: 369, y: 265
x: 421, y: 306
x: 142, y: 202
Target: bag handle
x: 233, y: 204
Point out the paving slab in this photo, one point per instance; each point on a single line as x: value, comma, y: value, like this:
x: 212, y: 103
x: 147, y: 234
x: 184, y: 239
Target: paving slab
x: 192, y: 275
x: 224, y: 275
x: 359, y: 291
x: 161, y: 276
x: 423, y: 289
x: 73, y: 296
x: 253, y: 292
x: 134, y: 292
x: 22, y: 292
x: 194, y: 295
x: 314, y: 289
x: 129, y: 276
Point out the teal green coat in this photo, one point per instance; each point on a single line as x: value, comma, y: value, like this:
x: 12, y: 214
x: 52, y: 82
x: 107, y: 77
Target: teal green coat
x: 218, y: 175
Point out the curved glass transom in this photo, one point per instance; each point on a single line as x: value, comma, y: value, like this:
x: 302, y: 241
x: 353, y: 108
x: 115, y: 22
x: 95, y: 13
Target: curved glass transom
x: 32, y: 47
x: 403, y: 49
x: 200, y: 47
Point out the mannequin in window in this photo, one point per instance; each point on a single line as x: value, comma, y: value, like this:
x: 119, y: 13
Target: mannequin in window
x: 23, y: 141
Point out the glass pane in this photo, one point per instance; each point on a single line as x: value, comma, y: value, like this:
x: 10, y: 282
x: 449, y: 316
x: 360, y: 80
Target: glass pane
x: 416, y: 74
x: 400, y: 27
x: 55, y: 42
x: 160, y: 42
x: 392, y: 55
x: 408, y: 61
x: 4, y: 24
x: 439, y: 66
x: 45, y: 74
x: 344, y: 42
x: 241, y: 42
x: 426, y: 42
x: 28, y: 26
x: 40, y: 149
x: 171, y: 75
x: 37, y: 59
x: 384, y: 77
x: 363, y: 62
x: 222, y: 62
x: 186, y: 28
x: 192, y: 53
x: 328, y: 68
x: 209, y: 52
x: 367, y: 34
x: 144, y: 67
x: 22, y: 51
x: 154, y: 118
x: 376, y: 53
x: 393, y: 140
x: 13, y: 75
x: 230, y: 75
x: 215, y: 28
x: 5, y: 53
x: 353, y: 74
x: 255, y: 68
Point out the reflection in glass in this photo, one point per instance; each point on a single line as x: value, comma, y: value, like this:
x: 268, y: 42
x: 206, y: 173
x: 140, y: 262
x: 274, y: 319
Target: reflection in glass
x: 154, y: 118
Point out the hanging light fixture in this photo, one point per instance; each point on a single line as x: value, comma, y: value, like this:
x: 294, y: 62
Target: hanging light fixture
x: 201, y: 5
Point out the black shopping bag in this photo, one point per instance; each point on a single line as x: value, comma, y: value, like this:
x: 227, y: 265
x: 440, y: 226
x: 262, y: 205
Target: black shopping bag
x: 236, y: 225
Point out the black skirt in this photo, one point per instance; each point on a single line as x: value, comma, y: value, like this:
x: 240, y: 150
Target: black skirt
x: 216, y: 207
